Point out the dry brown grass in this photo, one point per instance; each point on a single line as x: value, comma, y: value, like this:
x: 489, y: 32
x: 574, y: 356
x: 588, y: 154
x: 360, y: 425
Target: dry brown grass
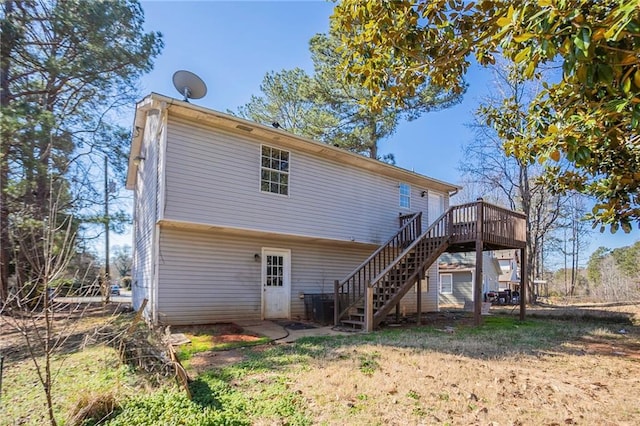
x: 92, y: 406
x: 428, y: 387
x: 544, y: 372
x: 563, y: 308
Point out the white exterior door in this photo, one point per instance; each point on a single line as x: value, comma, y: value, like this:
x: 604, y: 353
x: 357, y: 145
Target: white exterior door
x: 436, y: 206
x: 276, y: 283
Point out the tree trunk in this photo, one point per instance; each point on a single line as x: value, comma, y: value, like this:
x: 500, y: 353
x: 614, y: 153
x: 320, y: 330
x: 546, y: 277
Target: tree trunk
x: 7, y: 43
x: 525, y: 193
x: 373, y: 139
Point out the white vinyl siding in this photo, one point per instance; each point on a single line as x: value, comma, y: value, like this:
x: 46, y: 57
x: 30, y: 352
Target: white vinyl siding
x: 195, y: 176
x: 461, y: 288
x: 211, y: 179
x: 207, y: 277
x: 409, y: 303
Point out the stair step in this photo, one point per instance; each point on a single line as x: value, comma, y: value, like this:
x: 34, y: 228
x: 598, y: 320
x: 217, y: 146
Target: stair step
x: 353, y: 323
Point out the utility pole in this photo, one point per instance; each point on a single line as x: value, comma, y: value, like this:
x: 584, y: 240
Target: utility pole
x: 566, y: 285
x: 107, y: 280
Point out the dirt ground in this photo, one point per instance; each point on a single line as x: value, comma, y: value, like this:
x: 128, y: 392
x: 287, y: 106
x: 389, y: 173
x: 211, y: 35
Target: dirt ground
x: 446, y: 321
x: 220, y: 333
x: 73, y: 324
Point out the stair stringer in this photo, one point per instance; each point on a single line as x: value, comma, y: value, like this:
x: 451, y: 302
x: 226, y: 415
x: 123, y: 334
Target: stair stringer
x: 401, y: 291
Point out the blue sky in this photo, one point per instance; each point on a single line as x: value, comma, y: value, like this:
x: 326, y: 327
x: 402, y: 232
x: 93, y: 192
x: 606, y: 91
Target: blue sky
x: 231, y: 45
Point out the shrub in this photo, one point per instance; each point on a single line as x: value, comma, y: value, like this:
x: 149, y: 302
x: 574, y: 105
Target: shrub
x: 92, y: 408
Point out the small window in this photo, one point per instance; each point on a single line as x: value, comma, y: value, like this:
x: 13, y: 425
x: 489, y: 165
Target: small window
x: 405, y: 195
x: 505, y: 265
x: 446, y: 283
x: 274, y: 170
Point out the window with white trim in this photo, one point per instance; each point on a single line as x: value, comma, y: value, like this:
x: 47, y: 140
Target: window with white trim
x: 446, y: 283
x: 274, y: 170
x: 405, y: 195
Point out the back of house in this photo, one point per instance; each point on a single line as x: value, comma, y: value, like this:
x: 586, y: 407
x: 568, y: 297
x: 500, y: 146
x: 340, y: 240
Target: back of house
x: 234, y: 220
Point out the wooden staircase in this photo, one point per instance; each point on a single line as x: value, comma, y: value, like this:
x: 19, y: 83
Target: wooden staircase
x: 383, y: 293
x: 371, y: 291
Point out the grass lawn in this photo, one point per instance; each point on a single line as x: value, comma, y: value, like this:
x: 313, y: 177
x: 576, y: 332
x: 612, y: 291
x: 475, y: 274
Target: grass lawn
x: 581, y: 370
x: 93, y: 372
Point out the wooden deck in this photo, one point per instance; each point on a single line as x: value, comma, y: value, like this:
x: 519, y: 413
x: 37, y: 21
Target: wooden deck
x: 497, y: 227
x: 368, y: 294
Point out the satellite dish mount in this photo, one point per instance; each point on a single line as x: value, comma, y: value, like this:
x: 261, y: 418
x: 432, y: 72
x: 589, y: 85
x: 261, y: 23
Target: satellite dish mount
x: 189, y: 85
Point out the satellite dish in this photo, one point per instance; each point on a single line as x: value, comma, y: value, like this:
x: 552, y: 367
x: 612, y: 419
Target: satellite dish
x: 189, y: 85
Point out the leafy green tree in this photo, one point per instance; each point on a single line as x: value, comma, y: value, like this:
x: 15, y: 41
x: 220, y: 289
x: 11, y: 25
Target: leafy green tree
x: 122, y: 260
x: 512, y: 181
x: 359, y: 129
x: 325, y: 108
x: 594, y: 270
x: 627, y: 259
x: 590, y: 117
x: 66, y: 67
x: 288, y: 101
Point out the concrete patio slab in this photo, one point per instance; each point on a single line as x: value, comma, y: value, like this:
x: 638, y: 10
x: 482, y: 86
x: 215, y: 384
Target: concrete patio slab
x: 280, y: 334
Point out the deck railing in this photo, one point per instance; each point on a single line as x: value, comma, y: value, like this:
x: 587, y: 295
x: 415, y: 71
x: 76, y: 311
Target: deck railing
x: 499, y: 225
x: 350, y: 290
x: 502, y: 226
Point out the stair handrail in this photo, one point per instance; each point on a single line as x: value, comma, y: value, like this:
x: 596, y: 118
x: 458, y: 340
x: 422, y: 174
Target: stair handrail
x: 415, y: 219
x: 447, y: 233
x: 382, y: 247
x: 411, y: 246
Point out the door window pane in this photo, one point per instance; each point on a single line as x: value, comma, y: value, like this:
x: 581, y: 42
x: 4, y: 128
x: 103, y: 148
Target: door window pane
x: 275, y: 271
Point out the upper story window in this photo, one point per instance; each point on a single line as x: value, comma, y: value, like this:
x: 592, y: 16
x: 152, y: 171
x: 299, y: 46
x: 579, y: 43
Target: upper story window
x: 274, y: 170
x: 505, y: 265
x: 405, y: 195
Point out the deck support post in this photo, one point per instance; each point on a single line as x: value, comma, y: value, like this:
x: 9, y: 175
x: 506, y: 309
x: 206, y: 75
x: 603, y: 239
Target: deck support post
x: 477, y: 286
x: 336, y: 302
x: 419, y: 298
x: 523, y: 282
x: 368, y: 308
